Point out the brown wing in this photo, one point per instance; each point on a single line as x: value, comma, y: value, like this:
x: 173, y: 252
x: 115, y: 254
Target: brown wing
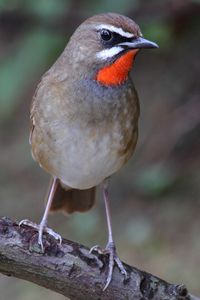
x: 32, y: 109
x: 33, y: 106
x: 32, y: 125
x: 71, y: 200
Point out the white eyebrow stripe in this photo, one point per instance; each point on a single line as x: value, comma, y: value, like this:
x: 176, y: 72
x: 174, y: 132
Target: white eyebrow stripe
x: 106, y: 53
x: 115, y: 29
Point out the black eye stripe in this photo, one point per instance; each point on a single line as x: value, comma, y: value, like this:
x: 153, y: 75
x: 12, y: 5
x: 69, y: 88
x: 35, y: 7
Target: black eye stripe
x: 120, y: 39
x: 115, y: 39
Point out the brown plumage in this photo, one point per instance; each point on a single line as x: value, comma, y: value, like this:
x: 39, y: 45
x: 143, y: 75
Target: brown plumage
x: 85, y: 117
x: 71, y: 200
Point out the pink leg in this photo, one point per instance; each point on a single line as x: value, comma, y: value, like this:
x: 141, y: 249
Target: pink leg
x: 110, y: 247
x: 42, y: 227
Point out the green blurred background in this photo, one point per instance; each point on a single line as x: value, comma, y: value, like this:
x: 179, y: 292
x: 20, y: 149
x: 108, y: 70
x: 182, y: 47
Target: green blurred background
x: 155, y: 199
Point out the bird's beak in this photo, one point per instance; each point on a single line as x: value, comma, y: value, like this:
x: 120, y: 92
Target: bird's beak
x: 139, y: 43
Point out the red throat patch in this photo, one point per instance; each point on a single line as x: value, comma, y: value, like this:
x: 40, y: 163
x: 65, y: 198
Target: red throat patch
x: 117, y: 72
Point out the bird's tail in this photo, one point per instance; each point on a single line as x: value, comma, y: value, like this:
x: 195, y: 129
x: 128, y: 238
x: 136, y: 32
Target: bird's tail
x: 70, y: 200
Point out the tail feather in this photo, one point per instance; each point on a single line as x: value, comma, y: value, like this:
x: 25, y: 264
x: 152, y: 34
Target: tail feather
x: 71, y: 200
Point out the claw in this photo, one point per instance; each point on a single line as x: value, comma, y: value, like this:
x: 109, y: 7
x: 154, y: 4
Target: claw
x: 41, y: 228
x: 113, y: 258
x: 28, y: 223
x: 97, y: 249
x: 54, y: 234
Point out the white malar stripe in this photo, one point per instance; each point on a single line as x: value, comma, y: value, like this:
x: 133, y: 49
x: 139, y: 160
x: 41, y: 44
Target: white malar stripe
x: 115, y: 29
x: 107, y: 53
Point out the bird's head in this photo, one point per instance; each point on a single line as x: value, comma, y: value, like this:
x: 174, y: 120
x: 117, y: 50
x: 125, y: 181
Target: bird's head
x: 104, y: 46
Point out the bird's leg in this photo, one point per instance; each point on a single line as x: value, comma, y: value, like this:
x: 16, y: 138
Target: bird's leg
x: 42, y: 227
x: 43, y: 224
x: 110, y: 247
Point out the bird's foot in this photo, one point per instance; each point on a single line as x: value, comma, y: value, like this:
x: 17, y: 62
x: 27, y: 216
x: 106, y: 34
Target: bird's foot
x: 110, y: 250
x: 41, y: 228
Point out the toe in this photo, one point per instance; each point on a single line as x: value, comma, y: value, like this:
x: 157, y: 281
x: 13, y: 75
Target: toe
x: 121, y: 267
x: 28, y: 223
x: 54, y: 234
x: 97, y: 249
x: 40, y: 243
x: 110, y: 270
x: 110, y: 250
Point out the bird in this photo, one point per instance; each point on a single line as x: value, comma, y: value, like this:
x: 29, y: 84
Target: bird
x: 84, y: 120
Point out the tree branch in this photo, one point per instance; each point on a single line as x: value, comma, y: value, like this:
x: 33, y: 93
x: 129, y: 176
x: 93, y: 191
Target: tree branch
x: 70, y: 270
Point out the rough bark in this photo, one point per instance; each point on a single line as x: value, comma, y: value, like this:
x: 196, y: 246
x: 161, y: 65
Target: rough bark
x: 70, y: 270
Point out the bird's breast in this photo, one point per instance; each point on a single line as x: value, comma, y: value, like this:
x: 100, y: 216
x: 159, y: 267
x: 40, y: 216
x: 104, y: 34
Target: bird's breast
x: 82, y: 143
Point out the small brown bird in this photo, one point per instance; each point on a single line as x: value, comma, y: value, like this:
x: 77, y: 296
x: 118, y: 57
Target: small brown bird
x: 85, y: 118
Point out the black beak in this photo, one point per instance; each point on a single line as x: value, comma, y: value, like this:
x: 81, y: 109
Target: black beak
x: 139, y: 43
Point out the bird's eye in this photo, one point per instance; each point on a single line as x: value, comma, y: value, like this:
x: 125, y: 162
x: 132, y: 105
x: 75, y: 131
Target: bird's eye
x: 106, y: 35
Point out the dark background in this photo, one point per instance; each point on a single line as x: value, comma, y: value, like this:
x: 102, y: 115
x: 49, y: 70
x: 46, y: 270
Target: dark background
x: 155, y: 199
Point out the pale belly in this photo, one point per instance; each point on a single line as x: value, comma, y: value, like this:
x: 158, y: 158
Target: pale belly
x: 89, y: 156
x: 83, y: 158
